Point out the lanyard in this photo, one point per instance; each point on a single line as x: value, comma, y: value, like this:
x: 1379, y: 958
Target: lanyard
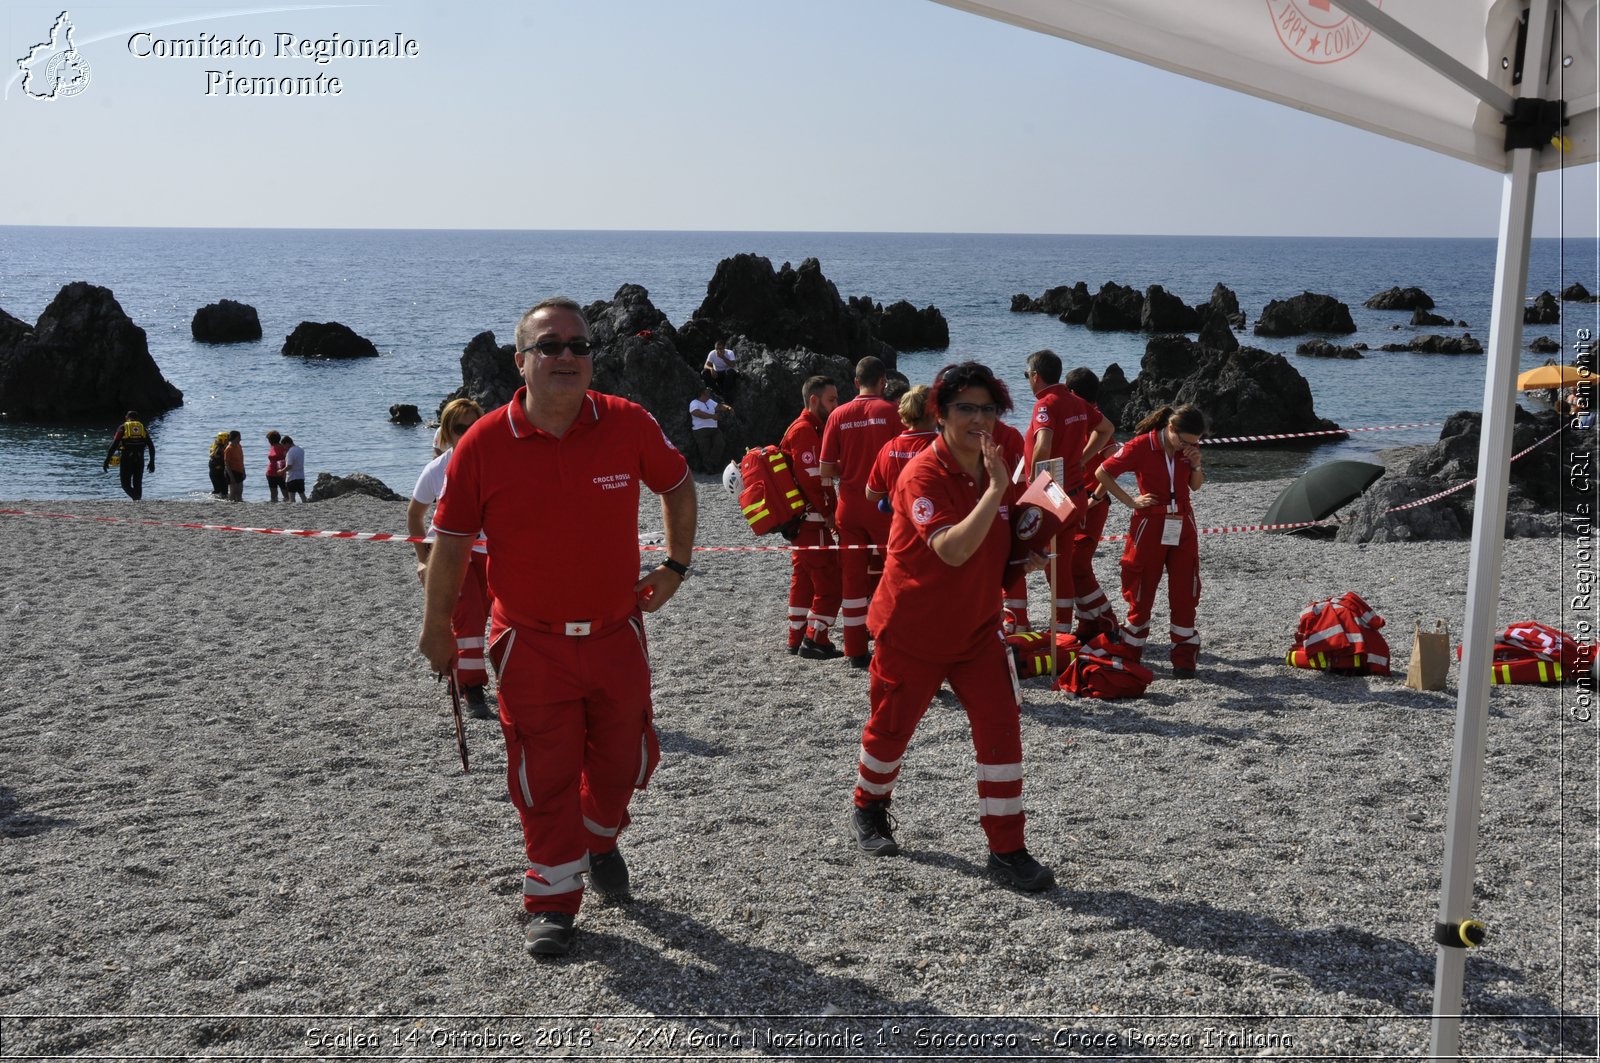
x: 1172, y: 480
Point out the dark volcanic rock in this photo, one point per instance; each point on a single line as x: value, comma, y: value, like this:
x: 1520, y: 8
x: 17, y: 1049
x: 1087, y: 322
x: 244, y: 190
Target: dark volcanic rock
x: 330, y: 339
x: 1544, y: 345
x: 1463, y: 344
x: 1532, y: 503
x: 1056, y: 301
x: 1215, y: 330
x: 1420, y: 318
x: 404, y: 413
x: 359, y: 483
x: 1306, y: 312
x: 1115, y: 308
x: 1164, y: 312
x: 1576, y: 293
x: 1400, y: 299
x: 489, y: 374
x: 769, y: 390
x: 1545, y: 310
x: 1244, y: 392
x: 1324, y: 349
x: 1223, y: 300
x: 902, y: 326
x: 225, y: 321
x: 638, y: 360
x: 84, y: 359
x: 1114, y: 393
x: 778, y: 309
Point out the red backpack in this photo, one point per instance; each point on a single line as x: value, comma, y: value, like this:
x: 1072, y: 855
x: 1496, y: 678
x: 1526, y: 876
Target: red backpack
x: 771, y: 498
x: 1107, y: 669
x: 1535, y: 653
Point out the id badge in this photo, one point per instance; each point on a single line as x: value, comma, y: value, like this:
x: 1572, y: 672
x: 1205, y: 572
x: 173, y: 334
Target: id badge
x: 1171, y: 530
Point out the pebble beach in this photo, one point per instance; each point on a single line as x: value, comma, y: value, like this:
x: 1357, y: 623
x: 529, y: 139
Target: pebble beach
x: 233, y: 823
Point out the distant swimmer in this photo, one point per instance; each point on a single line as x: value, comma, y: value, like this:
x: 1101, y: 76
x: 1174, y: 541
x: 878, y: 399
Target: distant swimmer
x: 137, y: 451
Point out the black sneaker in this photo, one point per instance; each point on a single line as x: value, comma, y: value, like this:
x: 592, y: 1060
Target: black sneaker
x: 608, y: 876
x: 875, y: 828
x: 819, y: 651
x: 1021, y: 870
x: 477, y: 703
x: 550, y: 934
x: 862, y: 662
x: 794, y: 649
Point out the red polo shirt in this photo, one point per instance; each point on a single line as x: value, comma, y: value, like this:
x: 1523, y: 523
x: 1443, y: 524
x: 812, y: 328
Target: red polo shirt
x: 1095, y: 459
x: 856, y: 432
x: 1067, y: 417
x: 561, y: 516
x: 803, y: 442
x: 1011, y: 444
x: 893, y: 457
x: 924, y: 606
x: 1144, y: 457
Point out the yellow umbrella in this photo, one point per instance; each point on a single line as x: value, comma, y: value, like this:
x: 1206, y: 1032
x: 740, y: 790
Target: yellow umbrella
x: 1553, y: 376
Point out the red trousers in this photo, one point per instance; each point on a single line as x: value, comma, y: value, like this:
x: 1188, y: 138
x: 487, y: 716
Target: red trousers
x: 576, y: 716
x: 1094, y: 610
x: 901, y: 688
x: 813, y: 584
x: 861, y: 524
x: 469, y: 619
x: 1144, y: 561
x: 1014, y: 601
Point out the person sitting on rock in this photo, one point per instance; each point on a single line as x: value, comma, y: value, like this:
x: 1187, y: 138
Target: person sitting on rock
x: 719, y: 371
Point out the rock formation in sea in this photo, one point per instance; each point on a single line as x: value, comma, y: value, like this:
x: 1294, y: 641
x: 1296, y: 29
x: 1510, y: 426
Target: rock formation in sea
x: 779, y: 309
x: 1165, y: 312
x: 1533, y: 503
x: 1400, y: 299
x: 1242, y: 392
x: 902, y: 326
x: 1544, y: 310
x: 1544, y: 345
x: 1420, y: 318
x: 358, y: 483
x: 84, y: 358
x: 404, y: 413
x: 1577, y: 293
x: 1433, y: 344
x: 330, y: 339
x: 1324, y: 349
x: 1303, y: 313
x: 225, y: 321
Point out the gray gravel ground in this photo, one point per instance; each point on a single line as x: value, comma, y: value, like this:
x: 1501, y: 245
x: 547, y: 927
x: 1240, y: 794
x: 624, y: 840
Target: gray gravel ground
x: 233, y: 825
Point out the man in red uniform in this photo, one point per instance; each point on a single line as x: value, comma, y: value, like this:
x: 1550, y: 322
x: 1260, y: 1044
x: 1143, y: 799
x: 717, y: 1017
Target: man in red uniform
x: 1014, y: 596
x: 553, y: 480
x: 1095, y: 614
x: 936, y: 618
x: 814, y: 575
x: 855, y: 433
x: 1060, y: 428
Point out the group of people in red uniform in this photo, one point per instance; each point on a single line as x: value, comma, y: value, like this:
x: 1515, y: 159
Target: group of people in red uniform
x: 552, y: 481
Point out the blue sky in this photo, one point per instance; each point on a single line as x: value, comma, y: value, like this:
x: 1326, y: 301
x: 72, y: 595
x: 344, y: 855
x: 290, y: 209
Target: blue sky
x: 830, y: 115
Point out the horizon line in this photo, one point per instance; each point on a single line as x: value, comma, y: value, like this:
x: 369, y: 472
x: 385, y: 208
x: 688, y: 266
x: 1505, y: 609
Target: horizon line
x: 775, y: 232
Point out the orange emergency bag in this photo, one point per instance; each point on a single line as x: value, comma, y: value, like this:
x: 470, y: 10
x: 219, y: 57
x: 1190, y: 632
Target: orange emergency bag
x: 771, y: 497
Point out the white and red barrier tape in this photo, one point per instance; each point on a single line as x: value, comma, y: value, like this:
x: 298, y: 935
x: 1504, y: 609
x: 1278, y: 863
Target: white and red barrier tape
x: 1320, y: 432
x: 387, y: 537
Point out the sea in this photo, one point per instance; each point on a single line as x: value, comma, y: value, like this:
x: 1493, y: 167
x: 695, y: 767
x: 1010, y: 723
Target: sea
x: 421, y: 295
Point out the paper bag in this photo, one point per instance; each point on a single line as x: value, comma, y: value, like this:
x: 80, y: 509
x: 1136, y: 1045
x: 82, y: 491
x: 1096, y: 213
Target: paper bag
x: 1430, y: 657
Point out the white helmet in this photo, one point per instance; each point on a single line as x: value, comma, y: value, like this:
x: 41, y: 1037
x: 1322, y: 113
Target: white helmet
x: 732, y: 480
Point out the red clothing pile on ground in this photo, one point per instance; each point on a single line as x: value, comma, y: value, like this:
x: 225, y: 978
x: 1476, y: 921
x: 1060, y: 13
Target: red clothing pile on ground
x: 1531, y: 652
x: 1106, y: 668
x: 1031, y: 656
x: 1340, y: 635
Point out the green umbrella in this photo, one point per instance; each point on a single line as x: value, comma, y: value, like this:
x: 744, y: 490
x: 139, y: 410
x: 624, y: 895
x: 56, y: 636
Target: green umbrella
x: 1321, y: 491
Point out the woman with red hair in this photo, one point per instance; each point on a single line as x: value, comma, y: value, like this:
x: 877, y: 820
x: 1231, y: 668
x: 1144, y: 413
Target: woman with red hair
x: 936, y: 619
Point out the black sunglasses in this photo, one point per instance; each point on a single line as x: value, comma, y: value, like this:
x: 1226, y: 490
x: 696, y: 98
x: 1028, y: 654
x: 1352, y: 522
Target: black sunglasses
x: 553, y: 348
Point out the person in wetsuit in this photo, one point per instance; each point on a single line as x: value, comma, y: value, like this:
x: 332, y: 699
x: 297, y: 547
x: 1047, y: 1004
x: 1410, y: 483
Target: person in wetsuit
x: 133, y: 439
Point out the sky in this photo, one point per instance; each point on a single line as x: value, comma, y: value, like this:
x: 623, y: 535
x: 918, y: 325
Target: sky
x: 727, y: 115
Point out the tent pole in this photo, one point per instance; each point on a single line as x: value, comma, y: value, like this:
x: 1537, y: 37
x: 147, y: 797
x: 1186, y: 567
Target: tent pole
x: 1488, y: 544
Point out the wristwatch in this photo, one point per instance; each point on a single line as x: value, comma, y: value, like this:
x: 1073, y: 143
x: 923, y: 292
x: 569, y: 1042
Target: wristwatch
x: 676, y: 566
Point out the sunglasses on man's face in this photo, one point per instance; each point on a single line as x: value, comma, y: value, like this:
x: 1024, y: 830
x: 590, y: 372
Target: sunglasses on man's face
x: 553, y: 348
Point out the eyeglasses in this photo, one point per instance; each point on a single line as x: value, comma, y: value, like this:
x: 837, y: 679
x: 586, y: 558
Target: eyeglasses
x: 553, y: 348
x: 972, y: 409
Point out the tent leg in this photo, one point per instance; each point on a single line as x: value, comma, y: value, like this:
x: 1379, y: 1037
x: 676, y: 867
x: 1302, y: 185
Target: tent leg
x: 1488, y: 543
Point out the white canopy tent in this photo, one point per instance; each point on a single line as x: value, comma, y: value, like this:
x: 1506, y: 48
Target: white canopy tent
x: 1446, y: 75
